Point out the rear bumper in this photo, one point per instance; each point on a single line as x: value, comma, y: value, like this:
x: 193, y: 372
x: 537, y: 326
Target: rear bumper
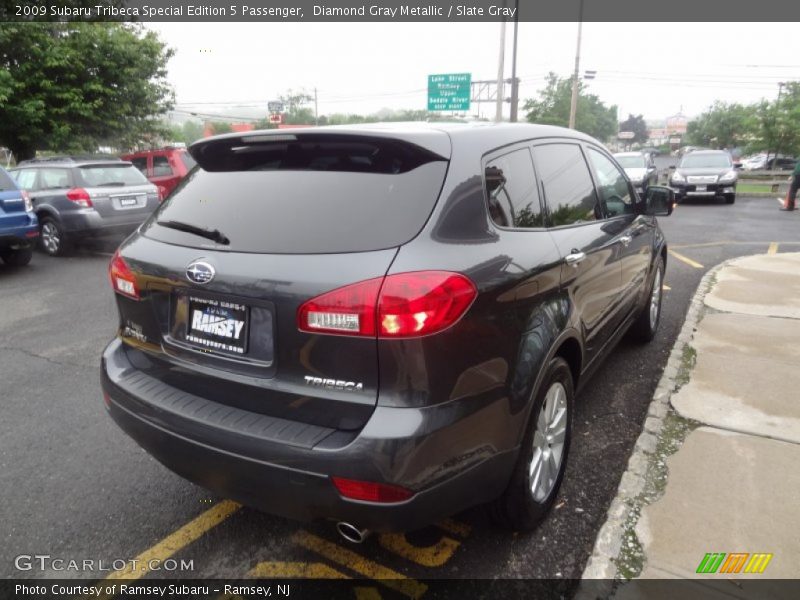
x: 287, y: 473
x: 90, y: 223
x: 711, y: 190
x: 19, y: 236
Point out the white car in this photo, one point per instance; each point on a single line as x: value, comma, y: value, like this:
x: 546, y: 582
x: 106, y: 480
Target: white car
x: 640, y: 169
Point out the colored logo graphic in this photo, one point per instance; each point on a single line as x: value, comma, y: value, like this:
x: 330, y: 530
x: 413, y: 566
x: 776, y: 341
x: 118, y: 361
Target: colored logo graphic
x: 735, y: 562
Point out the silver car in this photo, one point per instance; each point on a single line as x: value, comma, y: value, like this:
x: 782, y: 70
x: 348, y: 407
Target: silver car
x: 77, y: 198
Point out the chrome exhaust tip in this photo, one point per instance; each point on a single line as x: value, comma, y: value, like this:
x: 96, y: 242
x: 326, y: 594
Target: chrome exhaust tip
x: 351, y: 533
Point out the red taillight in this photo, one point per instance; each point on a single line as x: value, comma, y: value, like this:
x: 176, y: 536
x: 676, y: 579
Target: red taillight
x: 80, y: 197
x: 26, y: 200
x: 122, y: 278
x: 162, y: 193
x: 371, y: 492
x: 396, y: 306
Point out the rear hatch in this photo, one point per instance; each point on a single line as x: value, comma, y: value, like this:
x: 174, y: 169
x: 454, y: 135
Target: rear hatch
x: 117, y: 189
x: 266, y: 224
x: 12, y: 206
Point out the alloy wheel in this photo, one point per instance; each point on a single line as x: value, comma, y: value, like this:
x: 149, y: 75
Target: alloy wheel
x: 548, y: 442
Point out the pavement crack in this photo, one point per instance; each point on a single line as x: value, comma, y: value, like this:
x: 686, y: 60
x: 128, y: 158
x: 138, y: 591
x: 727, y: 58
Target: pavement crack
x: 44, y: 358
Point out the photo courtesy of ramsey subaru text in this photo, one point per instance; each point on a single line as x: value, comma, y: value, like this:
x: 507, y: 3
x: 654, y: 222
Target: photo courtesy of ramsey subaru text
x: 381, y: 325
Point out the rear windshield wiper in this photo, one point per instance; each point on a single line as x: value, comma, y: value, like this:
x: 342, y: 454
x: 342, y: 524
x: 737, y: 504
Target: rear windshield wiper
x: 214, y: 235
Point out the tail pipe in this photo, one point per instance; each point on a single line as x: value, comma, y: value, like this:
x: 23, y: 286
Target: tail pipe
x: 353, y: 534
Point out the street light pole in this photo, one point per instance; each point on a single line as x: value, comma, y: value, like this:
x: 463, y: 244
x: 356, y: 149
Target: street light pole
x: 498, y: 116
x: 514, y: 82
x: 573, y: 106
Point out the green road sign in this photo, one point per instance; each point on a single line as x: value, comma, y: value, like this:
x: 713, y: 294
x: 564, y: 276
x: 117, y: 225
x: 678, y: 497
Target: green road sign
x: 450, y: 91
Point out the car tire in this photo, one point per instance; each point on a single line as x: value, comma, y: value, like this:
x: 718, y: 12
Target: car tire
x: 645, y: 326
x: 18, y: 257
x: 52, y: 238
x: 543, y: 455
x: 730, y: 198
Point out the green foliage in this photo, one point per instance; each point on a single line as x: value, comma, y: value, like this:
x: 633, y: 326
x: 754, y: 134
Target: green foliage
x: 553, y: 104
x: 191, y: 131
x: 637, y: 125
x: 70, y: 87
x: 778, y: 123
x: 221, y: 127
x: 723, y: 125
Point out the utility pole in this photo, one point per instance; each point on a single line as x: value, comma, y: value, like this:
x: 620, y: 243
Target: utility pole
x: 316, y: 108
x: 573, y: 105
x: 498, y: 116
x: 514, y: 81
x: 777, y: 108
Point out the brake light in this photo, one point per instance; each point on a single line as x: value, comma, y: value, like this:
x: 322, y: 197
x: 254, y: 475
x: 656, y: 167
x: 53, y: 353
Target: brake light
x: 80, y: 197
x: 371, y: 492
x: 26, y: 200
x: 396, y: 306
x: 162, y: 193
x: 122, y: 278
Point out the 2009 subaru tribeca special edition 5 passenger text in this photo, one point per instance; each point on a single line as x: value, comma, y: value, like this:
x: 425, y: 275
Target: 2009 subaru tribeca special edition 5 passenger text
x: 380, y: 325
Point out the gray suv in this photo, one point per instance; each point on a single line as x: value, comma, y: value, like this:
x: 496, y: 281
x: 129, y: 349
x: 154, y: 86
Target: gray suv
x: 80, y: 197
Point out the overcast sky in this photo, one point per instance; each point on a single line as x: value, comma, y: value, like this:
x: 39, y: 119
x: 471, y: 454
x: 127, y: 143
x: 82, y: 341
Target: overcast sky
x: 655, y: 69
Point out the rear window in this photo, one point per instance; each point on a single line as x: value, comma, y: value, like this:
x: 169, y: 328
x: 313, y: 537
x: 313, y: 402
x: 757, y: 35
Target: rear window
x: 708, y: 161
x: 111, y: 175
x: 322, y: 195
x: 6, y: 183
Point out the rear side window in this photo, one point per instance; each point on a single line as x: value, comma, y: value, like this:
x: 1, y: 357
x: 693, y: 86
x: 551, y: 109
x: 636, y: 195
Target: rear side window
x: 327, y: 196
x: 161, y: 166
x: 6, y: 183
x: 54, y: 179
x: 512, y: 192
x: 111, y: 175
x: 140, y: 163
x: 567, y: 184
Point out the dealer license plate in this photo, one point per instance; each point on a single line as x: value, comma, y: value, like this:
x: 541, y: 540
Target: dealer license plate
x: 218, y: 325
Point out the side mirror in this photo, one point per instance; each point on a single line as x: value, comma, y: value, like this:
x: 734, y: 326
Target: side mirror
x: 659, y: 201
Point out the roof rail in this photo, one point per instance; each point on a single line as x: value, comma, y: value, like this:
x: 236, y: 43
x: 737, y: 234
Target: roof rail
x: 69, y: 158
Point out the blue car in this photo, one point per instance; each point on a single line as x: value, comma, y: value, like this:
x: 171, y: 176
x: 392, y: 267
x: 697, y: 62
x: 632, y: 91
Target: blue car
x: 19, y: 227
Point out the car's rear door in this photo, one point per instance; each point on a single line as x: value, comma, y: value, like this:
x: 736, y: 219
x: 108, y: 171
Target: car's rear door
x: 591, y: 269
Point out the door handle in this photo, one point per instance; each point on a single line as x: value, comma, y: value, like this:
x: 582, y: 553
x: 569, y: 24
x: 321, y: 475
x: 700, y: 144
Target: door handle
x: 574, y: 257
x: 625, y: 239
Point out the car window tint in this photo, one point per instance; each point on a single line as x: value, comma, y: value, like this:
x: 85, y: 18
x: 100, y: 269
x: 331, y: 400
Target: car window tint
x: 161, y: 166
x: 612, y: 185
x: 567, y: 184
x: 512, y: 192
x: 140, y: 163
x: 53, y: 179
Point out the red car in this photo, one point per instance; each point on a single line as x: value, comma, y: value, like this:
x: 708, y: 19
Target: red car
x: 164, y: 167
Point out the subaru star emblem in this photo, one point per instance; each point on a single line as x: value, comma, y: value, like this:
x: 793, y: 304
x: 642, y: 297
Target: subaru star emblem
x: 200, y: 272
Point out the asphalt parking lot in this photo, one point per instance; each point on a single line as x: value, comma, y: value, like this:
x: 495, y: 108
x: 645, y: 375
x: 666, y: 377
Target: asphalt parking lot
x: 75, y: 487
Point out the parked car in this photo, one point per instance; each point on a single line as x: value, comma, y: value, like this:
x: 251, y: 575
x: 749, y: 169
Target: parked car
x: 18, y: 225
x: 80, y: 197
x: 758, y: 162
x: 707, y: 174
x: 164, y: 167
x: 640, y: 169
x: 380, y: 325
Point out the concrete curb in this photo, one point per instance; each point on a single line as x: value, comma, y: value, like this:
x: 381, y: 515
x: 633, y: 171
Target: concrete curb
x: 601, y: 571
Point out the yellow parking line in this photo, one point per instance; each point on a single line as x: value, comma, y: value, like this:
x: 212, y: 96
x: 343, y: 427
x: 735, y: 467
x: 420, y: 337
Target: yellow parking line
x: 665, y: 287
x: 176, y: 540
x: 686, y: 260
x: 294, y: 570
x: 773, y: 248
x: 454, y: 527
x: 434, y: 555
x: 359, y: 564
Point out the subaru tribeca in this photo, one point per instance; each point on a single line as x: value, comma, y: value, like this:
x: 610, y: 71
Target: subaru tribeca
x: 380, y: 325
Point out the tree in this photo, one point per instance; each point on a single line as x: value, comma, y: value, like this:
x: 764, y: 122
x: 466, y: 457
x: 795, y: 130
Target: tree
x: 777, y: 123
x: 191, y: 131
x: 295, y: 110
x: 637, y: 126
x: 723, y: 125
x: 74, y: 86
x: 553, y: 105
x: 219, y: 127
